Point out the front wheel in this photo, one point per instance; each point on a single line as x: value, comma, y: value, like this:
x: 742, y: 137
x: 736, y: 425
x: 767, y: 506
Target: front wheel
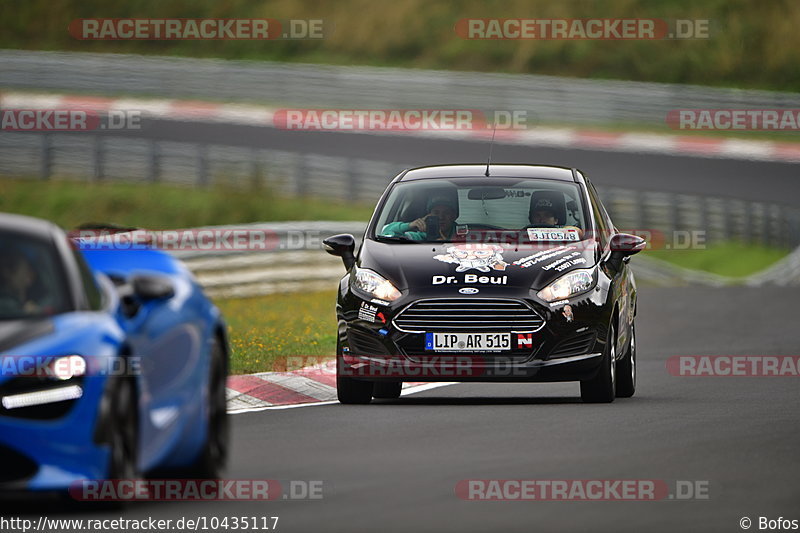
x: 626, y: 380
x: 349, y: 390
x: 602, y: 387
x: 214, y: 454
x: 124, y: 433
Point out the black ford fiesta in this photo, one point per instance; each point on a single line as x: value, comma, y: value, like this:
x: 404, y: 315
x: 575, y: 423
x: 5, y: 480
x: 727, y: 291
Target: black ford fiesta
x: 506, y: 273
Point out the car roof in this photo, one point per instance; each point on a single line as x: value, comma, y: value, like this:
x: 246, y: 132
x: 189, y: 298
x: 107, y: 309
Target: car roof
x: 495, y: 170
x: 24, y: 225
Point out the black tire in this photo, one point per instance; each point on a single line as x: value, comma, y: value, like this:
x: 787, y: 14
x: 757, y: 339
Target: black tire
x: 387, y: 390
x: 123, y: 435
x: 123, y: 441
x: 349, y: 390
x: 626, y: 369
x: 214, y: 455
x: 602, y: 387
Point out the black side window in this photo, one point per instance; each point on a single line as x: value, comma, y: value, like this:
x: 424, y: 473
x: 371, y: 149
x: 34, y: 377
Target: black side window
x: 606, y: 216
x: 93, y: 295
x: 600, y: 217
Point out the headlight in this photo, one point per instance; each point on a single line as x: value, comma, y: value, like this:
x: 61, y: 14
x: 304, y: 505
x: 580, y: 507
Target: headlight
x: 570, y: 284
x: 376, y: 285
x: 67, y: 367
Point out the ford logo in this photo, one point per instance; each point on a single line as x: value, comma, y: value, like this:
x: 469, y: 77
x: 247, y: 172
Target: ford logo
x: 469, y: 290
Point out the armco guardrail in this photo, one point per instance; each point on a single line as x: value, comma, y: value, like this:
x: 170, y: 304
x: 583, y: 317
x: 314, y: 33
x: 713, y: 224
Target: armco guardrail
x: 544, y: 98
x: 97, y: 157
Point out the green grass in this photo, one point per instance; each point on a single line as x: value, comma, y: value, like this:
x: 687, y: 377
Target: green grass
x: 752, y: 44
x: 267, y: 332
x: 163, y: 206
x: 733, y: 259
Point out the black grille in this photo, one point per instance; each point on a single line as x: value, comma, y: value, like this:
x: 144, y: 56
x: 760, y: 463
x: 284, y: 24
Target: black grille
x: 456, y: 315
x: 16, y: 467
x: 362, y: 343
x: 577, y: 345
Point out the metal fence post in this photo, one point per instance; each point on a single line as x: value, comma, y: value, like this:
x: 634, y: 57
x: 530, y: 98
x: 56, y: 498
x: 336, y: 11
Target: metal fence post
x: 98, y: 157
x: 202, y: 165
x: 352, y: 178
x: 748, y: 223
x: 766, y: 228
x: 155, y: 161
x: 46, y: 157
x: 674, y: 215
x: 704, y: 218
x: 727, y: 220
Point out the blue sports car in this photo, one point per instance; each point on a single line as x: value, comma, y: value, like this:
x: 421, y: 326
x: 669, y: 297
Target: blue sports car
x: 113, y: 363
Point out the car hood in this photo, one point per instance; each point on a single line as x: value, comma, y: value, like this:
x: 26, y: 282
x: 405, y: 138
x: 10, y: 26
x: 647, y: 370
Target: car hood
x: 16, y: 332
x: 528, y: 266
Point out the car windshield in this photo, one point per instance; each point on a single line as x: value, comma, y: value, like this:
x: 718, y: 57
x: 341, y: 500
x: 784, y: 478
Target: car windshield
x: 447, y: 210
x: 30, y: 279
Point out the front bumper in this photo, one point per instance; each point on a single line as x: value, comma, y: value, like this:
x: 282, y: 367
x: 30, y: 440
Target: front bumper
x: 51, y: 454
x: 568, y: 347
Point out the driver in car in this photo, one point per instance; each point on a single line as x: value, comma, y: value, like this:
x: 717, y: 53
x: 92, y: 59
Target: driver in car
x: 17, y: 281
x: 440, y: 207
x: 543, y: 213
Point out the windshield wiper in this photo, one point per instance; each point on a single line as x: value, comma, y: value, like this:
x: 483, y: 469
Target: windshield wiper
x: 397, y: 238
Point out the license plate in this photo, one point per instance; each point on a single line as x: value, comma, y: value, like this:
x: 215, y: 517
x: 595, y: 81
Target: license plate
x: 467, y: 342
x: 554, y: 234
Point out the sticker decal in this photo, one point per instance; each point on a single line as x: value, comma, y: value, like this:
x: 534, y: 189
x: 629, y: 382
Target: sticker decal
x: 524, y: 340
x: 480, y: 257
x: 567, y: 312
x: 367, y: 312
x: 565, y: 262
x: 470, y: 278
x: 543, y: 255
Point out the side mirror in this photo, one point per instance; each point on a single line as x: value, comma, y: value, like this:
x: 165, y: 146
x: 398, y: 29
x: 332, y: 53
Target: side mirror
x: 624, y: 245
x: 147, y: 287
x: 343, y: 246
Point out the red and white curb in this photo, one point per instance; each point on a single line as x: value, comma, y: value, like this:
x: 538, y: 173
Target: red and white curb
x: 310, y: 386
x: 188, y: 110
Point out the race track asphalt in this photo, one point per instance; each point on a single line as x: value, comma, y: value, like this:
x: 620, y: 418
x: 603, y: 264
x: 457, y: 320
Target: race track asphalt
x: 394, y: 465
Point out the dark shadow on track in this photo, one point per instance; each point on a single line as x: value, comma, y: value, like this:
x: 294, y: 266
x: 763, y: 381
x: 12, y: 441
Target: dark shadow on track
x: 480, y: 400
x: 509, y: 400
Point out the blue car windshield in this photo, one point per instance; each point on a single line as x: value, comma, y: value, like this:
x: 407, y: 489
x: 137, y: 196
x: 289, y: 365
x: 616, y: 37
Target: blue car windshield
x: 31, y: 281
